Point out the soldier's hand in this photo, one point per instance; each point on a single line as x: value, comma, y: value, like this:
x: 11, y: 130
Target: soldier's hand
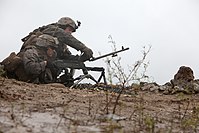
x: 88, y: 52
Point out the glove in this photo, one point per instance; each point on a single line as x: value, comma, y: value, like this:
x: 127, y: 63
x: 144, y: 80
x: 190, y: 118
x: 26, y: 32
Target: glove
x: 88, y: 53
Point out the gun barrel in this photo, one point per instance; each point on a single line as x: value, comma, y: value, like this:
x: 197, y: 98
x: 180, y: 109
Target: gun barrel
x: 112, y: 53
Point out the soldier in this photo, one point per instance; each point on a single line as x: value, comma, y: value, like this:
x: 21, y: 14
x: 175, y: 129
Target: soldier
x: 62, y: 30
x: 37, y: 59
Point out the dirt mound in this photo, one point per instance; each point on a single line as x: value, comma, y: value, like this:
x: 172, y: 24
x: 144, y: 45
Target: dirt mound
x: 184, y: 73
x: 49, y: 108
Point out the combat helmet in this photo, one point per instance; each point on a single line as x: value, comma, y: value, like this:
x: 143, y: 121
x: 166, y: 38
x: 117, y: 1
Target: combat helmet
x: 66, y: 21
x: 45, y: 41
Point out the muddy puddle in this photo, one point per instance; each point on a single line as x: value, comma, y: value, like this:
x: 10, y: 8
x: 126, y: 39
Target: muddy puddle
x: 15, y: 121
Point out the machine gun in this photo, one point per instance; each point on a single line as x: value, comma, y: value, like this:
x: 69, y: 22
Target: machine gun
x: 77, y: 64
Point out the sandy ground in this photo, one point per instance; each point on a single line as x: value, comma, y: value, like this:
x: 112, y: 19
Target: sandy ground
x: 55, y: 108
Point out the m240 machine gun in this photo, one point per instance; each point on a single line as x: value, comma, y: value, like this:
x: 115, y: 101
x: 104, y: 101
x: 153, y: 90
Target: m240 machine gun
x: 77, y: 64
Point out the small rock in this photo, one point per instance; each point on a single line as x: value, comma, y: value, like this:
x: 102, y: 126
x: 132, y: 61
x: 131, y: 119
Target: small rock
x: 150, y: 87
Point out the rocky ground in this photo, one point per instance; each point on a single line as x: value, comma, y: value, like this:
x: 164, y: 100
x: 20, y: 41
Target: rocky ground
x: 149, y: 107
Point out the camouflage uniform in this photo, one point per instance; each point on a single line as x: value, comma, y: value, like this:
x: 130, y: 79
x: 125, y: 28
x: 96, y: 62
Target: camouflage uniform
x: 34, y: 64
x: 64, y: 39
x: 28, y: 65
x: 34, y: 58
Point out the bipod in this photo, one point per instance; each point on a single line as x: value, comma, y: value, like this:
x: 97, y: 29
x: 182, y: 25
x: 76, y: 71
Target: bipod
x: 88, y: 76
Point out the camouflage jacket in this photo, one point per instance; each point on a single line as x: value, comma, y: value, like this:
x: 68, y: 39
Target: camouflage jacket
x: 63, y: 38
x: 33, y: 61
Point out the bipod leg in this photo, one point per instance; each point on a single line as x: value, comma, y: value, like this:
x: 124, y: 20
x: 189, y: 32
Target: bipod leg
x: 102, y: 76
x: 83, y: 77
x: 80, y: 78
x: 91, y: 77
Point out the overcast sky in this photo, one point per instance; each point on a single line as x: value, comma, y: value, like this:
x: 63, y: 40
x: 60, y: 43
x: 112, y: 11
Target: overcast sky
x: 171, y: 27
